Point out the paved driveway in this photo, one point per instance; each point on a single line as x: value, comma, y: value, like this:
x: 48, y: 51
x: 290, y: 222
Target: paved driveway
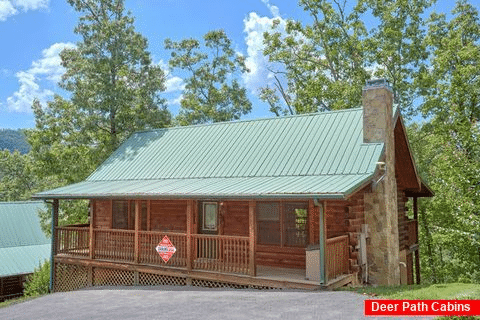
x: 189, y: 303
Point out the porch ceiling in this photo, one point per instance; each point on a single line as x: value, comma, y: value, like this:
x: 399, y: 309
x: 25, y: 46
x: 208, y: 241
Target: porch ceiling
x: 322, y: 186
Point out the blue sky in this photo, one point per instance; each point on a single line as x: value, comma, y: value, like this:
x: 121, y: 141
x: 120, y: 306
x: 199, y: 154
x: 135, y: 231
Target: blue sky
x: 33, y: 32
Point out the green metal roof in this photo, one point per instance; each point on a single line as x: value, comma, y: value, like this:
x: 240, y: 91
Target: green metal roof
x: 23, y: 245
x: 319, y: 154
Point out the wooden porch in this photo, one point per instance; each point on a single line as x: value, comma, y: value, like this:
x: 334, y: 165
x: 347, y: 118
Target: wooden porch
x: 128, y: 257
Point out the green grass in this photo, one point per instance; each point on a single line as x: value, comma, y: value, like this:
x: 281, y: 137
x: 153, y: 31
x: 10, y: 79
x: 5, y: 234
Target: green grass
x: 448, y: 291
x: 10, y: 302
x: 434, y: 291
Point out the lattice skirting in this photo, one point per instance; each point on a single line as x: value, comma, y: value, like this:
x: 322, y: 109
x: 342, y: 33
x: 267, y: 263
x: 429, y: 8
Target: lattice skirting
x: 149, y: 279
x: 70, y: 277
x: 217, y: 284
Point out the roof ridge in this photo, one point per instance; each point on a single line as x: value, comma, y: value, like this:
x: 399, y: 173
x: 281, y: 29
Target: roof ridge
x: 311, y: 114
x: 234, y: 177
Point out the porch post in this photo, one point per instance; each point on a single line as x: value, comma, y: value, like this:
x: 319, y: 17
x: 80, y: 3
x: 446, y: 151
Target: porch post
x: 54, y: 242
x: 138, y: 207
x: 92, y: 233
x: 189, y: 233
x: 322, y: 208
x: 417, y: 253
x: 311, y: 210
x: 252, y: 226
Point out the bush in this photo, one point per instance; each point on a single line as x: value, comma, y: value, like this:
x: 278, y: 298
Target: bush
x: 39, y: 281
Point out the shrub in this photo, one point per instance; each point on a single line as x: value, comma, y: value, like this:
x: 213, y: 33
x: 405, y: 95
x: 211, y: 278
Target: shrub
x: 38, y: 282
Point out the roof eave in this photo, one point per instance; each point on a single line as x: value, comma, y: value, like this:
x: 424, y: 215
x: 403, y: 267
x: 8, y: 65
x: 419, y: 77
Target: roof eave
x: 192, y: 196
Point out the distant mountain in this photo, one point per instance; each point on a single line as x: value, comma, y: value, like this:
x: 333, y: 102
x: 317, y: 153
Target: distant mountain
x: 13, y: 140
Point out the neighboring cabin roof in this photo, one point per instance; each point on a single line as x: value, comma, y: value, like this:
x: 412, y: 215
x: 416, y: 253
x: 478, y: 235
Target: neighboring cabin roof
x: 23, y: 245
x: 319, y: 154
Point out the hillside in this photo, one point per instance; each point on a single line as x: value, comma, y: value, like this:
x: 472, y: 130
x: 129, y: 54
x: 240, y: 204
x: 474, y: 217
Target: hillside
x: 13, y: 140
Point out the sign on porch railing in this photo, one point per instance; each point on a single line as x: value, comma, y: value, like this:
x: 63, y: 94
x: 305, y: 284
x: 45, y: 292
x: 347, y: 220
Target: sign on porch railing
x: 165, y: 249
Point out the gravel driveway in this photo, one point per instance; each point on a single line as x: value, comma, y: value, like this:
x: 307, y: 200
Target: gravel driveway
x: 189, y: 303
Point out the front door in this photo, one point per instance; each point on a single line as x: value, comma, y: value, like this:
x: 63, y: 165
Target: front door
x: 208, y: 224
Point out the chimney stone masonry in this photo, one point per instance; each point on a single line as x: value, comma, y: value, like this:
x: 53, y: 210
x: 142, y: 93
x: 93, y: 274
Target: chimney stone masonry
x: 381, y: 212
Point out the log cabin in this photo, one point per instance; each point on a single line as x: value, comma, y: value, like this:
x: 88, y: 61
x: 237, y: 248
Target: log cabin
x: 306, y: 201
x: 23, y: 245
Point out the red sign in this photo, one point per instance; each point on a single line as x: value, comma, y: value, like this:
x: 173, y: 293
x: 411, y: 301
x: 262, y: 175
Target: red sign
x: 165, y: 249
x: 385, y: 307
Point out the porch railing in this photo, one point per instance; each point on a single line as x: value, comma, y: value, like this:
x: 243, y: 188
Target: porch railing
x: 336, y: 257
x: 221, y: 253
x: 148, y: 254
x: 74, y: 240
x: 209, y: 252
x: 114, y: 244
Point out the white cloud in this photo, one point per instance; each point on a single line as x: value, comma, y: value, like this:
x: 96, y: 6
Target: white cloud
x: 26, y: 5
x: 12, y: 7
x: 48, y: 69
x: 6, y: 10
x: 273, y: 9
x: 176, y: 101
x: 174, y: 83
x: 256, y: 62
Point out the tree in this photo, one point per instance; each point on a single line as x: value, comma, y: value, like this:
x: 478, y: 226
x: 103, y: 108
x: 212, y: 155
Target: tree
x: 115, y: 87
x: 114, y: 91
x: 324, y: 63
x: 212, y: 92
x: 17, y: 179
x: 395, y: 48
x: 448, y: 145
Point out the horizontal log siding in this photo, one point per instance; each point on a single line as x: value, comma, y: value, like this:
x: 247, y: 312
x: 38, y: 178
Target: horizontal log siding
x: 402, y: 220
x: 285, y: 257
x: 103, y: 214
x: 235, y: 218
x: 168, y: 215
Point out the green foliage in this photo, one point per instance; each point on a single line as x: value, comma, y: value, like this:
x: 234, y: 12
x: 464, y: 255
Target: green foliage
x: 447, y: 148
x: 212, y: 92
x: 13, y: 140
x: 326, y: 63
x: 115, y: 91
x: 115, y: 87
x: 38, y: 283
x: 17, y: 178
x: 395, y: 48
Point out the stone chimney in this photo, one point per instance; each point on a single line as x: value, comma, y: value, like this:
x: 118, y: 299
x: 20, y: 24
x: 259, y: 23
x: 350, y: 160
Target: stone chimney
x: 381, y: 210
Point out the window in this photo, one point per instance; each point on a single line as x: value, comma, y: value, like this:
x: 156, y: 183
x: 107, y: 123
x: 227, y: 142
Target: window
x: 296, y: 222
x: 209, y: 222
x: 120, y: 214
x: 123, y: 218
x: 282, y: 224
x: 268, y: 223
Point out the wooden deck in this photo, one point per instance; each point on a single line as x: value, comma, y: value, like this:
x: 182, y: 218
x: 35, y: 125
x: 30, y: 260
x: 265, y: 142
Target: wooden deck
x: 123, y: 257
x: 266, y: 278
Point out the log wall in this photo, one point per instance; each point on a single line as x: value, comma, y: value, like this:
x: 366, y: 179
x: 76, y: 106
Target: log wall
x: 166, y: 215
x: 103, y: 214
x: 235, y: 218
